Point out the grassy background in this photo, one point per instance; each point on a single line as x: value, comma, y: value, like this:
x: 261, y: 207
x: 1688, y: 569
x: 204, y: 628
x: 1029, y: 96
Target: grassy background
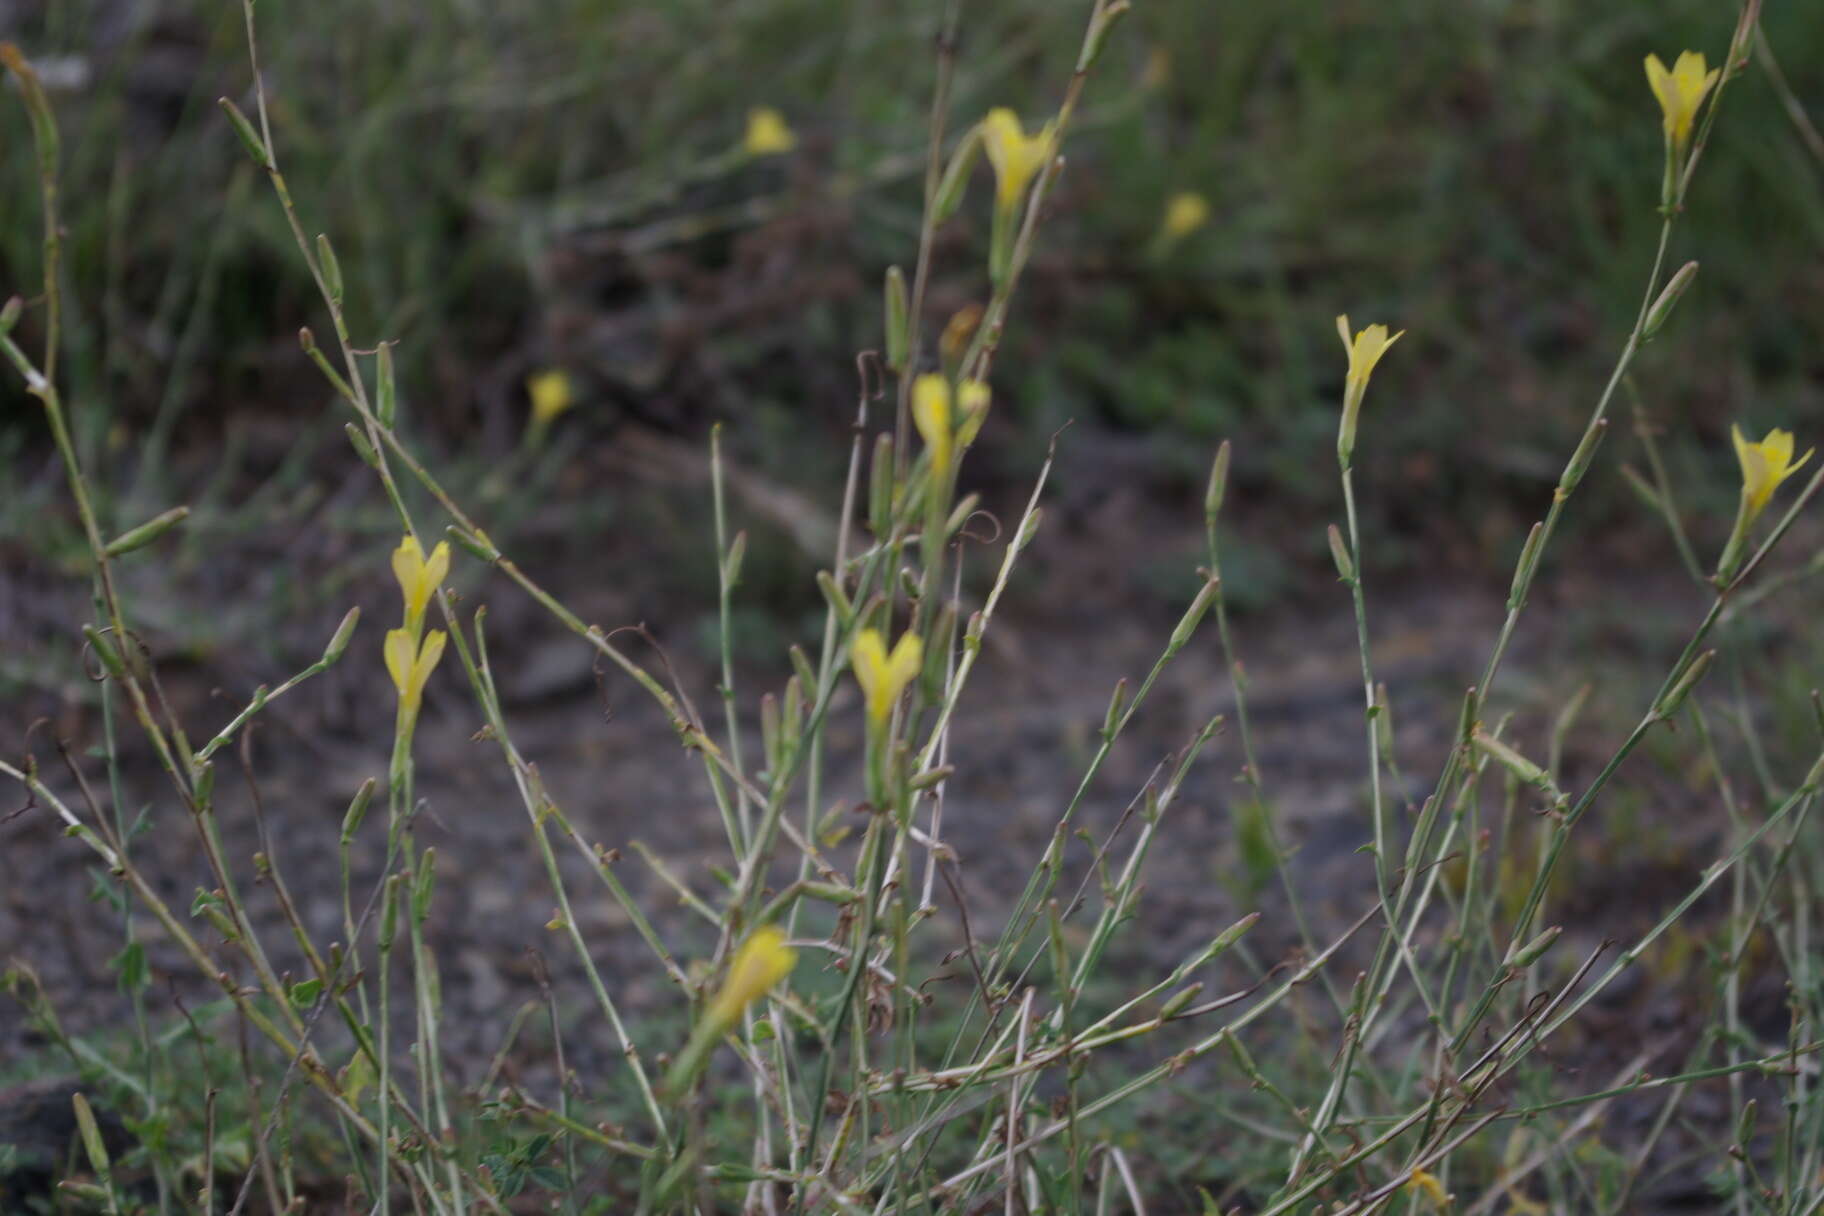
x: 550, y: 184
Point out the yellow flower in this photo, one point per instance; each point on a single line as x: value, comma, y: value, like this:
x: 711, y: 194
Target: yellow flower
x: 1016, y: 156
x: 1429, y: 1186
x: 410, y: 667
x: 1185, y: 213
x: 882, y: 676
x: 551, y: 393
x: 1764, y: 466
x: 931, y: 413
x: 418, y: 578
x: 1365, y: 349
x: 767, y: 133
x: 974, y: 397
x: 762, y: 961
x: 1680, y: 91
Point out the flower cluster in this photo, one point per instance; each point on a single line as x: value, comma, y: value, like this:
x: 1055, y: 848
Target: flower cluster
x: 412, y: 654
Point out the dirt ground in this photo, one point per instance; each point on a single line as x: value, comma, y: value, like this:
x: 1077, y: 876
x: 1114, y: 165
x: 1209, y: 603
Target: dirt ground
x: 1074, y: 623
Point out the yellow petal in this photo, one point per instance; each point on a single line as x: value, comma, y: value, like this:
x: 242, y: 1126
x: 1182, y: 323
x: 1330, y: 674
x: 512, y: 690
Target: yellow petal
x: 399, y: 659
x: 408, y: 565
x: 903, y: 665
x: 1660, y: 81
x: 428, y: 658
x: 435, y: 571
x: 1777, y: 448
x: 868, y: 656
x: 931, y: 413
x: 762, y: 961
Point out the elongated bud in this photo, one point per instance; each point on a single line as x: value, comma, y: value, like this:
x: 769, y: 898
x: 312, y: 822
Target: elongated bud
x: 1527, y: 955
x: 1228, y: 937
x: 9, y: 315
x: 363, y: 448
x: 202, y: 784
x: 1117, y: 705
x: 146, y: 533
x: 1689, y: 679
x: 1097, y: 37
x: 1466, y: 715
x: 338, y: 641
x: 950, y: 187
x: 105, y: 652
x: 1383, y: 722
x: 386, y: 400
x: 1339, y: 553
x: 332, y: 271
x: 839, y: 603
x: 1219, y: 484
x: 880, y: 486
x: 792, y: 712
x: 476, y: 544
x: 1668, y: 299
x: 972, y: 636
x: 770, y: 734
x: 91, y: 1135
x: 1193, y: 616
x: 424, y: 885
x: 1179, y: 999
x: 256, y: 147
x: 737, y: 552
x: 1509, y: 759
x: 801, y: 664
x: 932, y: 776
x: 389, y: 912
x: 1581, y: 458
x: 357, y: 810
x: 1523, y: 569
x: 899, y: 327
x: 1029, y: 527
x: 960, y: 514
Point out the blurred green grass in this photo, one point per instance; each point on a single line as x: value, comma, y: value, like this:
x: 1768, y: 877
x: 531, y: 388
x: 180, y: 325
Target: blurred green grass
x: 553, y: 183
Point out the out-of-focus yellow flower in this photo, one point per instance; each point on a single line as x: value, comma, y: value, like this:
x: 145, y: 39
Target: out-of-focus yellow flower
x: 551, y: 393
x: 762, y: 961
x: 1365, y: 349
x: 973, y: 396
x: 1185, y: 213
x: 931, y: 413
x: 768, y: 134
x: 1429, y: 1186
x: 419, y: 578
x: 1764, y: 466
x: 1016, y: 156
x: 882, y: 676
x: 411, y: 665
x: 1681, y: 92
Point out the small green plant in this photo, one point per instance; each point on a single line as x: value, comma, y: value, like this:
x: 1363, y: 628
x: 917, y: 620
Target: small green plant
x: 1394, y: 1062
